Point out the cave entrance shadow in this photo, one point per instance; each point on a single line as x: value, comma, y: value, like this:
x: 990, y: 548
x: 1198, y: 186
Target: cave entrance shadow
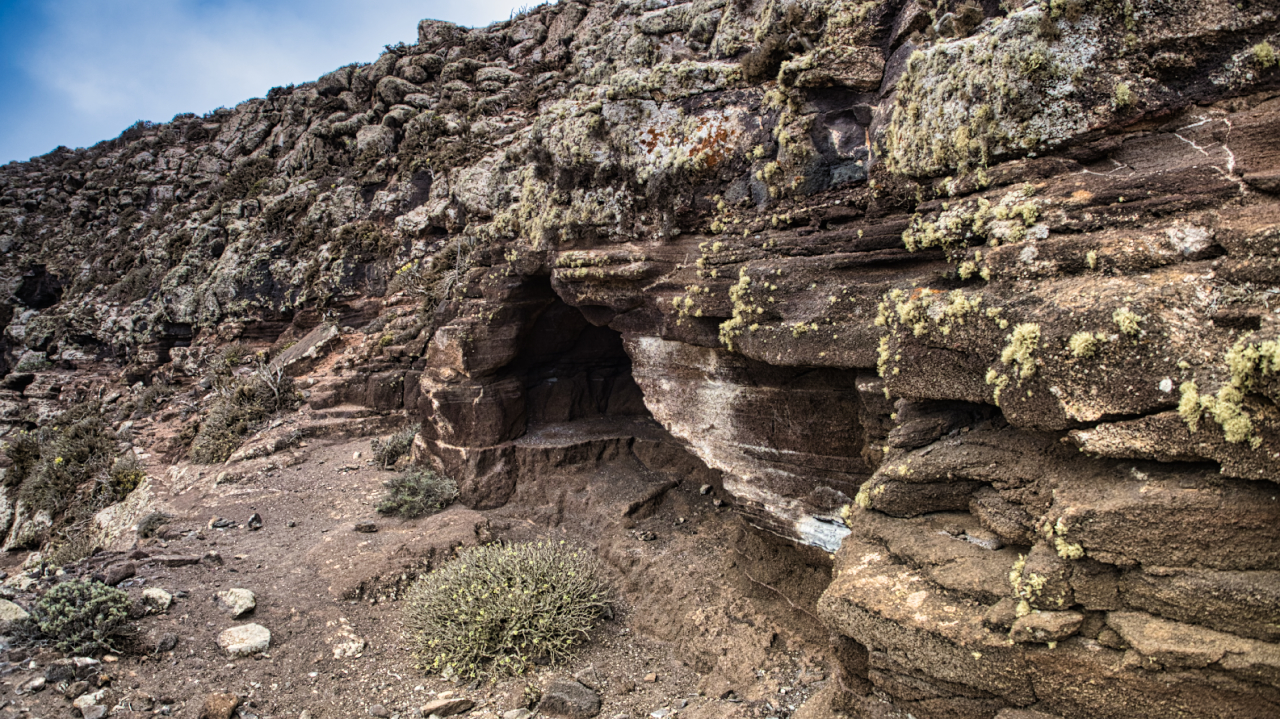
x: 574, y: 371
x: 566, y: 403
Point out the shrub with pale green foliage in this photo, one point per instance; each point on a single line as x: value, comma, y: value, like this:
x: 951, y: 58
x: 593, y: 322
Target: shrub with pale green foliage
x: 495, y: 609
x: 66, y: 464
x: 241, y: 406
x: 387, y: 451
x: 81, y: 617
x: 417, y: 492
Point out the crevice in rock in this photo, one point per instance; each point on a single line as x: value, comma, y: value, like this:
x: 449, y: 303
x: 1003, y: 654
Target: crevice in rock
x: 39, y: 289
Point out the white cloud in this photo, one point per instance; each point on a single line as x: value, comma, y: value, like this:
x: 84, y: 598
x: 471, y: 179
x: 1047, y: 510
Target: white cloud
x: 98, y: 65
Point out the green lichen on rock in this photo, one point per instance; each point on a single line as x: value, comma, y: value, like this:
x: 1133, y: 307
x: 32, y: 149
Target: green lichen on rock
x: 743, y: 310
x: 1227, y: 409
x: 1006, y: 90
x: 867, y: 493
x: 1065, y: 549
x: 998, y: 382
x: 1068, y: 550
x: 1252, y: 362
x: 1122, y: 96
x: 1023, y: 343
x: 958, y: 225
x: 1252, y: 365
x: 1022, y: 587
x: 1189, y: 405
x: 843, y: 55
x: 1128, y: 321
x: 1085, y: 344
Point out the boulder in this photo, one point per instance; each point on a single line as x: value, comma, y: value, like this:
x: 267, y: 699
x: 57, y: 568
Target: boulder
x: 308, y: 351
x: 10, y: 612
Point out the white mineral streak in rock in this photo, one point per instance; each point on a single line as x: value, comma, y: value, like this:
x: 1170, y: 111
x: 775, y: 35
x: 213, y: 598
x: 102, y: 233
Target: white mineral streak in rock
x: 707, y: 423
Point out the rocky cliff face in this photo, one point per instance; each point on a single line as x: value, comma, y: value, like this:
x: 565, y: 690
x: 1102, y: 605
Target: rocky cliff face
x: 975, y: 295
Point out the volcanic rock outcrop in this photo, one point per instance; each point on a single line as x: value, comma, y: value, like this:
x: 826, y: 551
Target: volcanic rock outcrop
x: 975, y: 295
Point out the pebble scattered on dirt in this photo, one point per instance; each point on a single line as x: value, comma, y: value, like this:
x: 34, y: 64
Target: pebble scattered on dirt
x: 698, y: 631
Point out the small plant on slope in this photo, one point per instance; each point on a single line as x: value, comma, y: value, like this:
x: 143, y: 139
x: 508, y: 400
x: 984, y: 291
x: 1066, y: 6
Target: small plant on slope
x: 81, y: 617
x: 495, y: 609
x: 417, y: 492
x: 387, y: 451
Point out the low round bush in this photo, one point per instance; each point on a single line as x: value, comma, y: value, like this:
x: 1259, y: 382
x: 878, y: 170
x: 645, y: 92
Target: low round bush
x: 81, y: 617
x: 495, y: 609
x: 387, y: 452
x: 417, y: 492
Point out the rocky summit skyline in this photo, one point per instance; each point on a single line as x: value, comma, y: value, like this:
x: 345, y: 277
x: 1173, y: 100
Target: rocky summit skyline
x: 136, y: 60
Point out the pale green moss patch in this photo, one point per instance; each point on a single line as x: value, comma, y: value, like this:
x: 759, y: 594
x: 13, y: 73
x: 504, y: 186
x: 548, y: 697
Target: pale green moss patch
x: 1023, y: 343
x: 1122, y: 96
x: 1189, y: 405
x: 958, y: 225
x: 1084, y: 344
x: 1068, y: 550
x: 1127, y: 320
x: 1249, y: 363
x: 1264, y: 54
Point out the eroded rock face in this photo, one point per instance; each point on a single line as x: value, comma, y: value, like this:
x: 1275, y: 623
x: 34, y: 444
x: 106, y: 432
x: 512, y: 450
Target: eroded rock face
x: 978, y: 294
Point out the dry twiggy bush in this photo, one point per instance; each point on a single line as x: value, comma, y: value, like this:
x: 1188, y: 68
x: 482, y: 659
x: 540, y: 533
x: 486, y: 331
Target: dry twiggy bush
x: 417, y: 492
x: 387, y: 451
x: 495, y: 609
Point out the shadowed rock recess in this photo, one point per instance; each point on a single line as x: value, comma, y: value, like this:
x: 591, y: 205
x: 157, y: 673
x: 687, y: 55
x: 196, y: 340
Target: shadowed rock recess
x: 981, y: 297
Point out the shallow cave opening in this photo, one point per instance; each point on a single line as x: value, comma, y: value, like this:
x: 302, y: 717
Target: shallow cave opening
x: 565, y: 403
x: 39, y: 289
x: 574, y: 370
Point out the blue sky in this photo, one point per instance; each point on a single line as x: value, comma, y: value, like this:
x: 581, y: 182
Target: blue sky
x: 75, y: 72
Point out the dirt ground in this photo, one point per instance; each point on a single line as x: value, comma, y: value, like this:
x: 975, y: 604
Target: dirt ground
x: 712, y: 617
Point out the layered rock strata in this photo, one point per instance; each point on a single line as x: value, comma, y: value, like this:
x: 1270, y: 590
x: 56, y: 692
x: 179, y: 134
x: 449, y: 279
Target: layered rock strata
x: 978, y: 296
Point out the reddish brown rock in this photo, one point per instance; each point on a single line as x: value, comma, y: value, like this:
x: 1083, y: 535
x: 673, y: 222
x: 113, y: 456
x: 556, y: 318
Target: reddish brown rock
x: 978, y: 296
x: 218, y: 706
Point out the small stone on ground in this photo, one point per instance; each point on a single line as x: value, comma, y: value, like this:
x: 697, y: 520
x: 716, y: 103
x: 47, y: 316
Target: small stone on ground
x: 218, y: 706
x: 237, y: 602
x: 245, y: 640
x: 156, y: 599
x: 569, y: 699
x: 117, y: 573
x: 447, y: 707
